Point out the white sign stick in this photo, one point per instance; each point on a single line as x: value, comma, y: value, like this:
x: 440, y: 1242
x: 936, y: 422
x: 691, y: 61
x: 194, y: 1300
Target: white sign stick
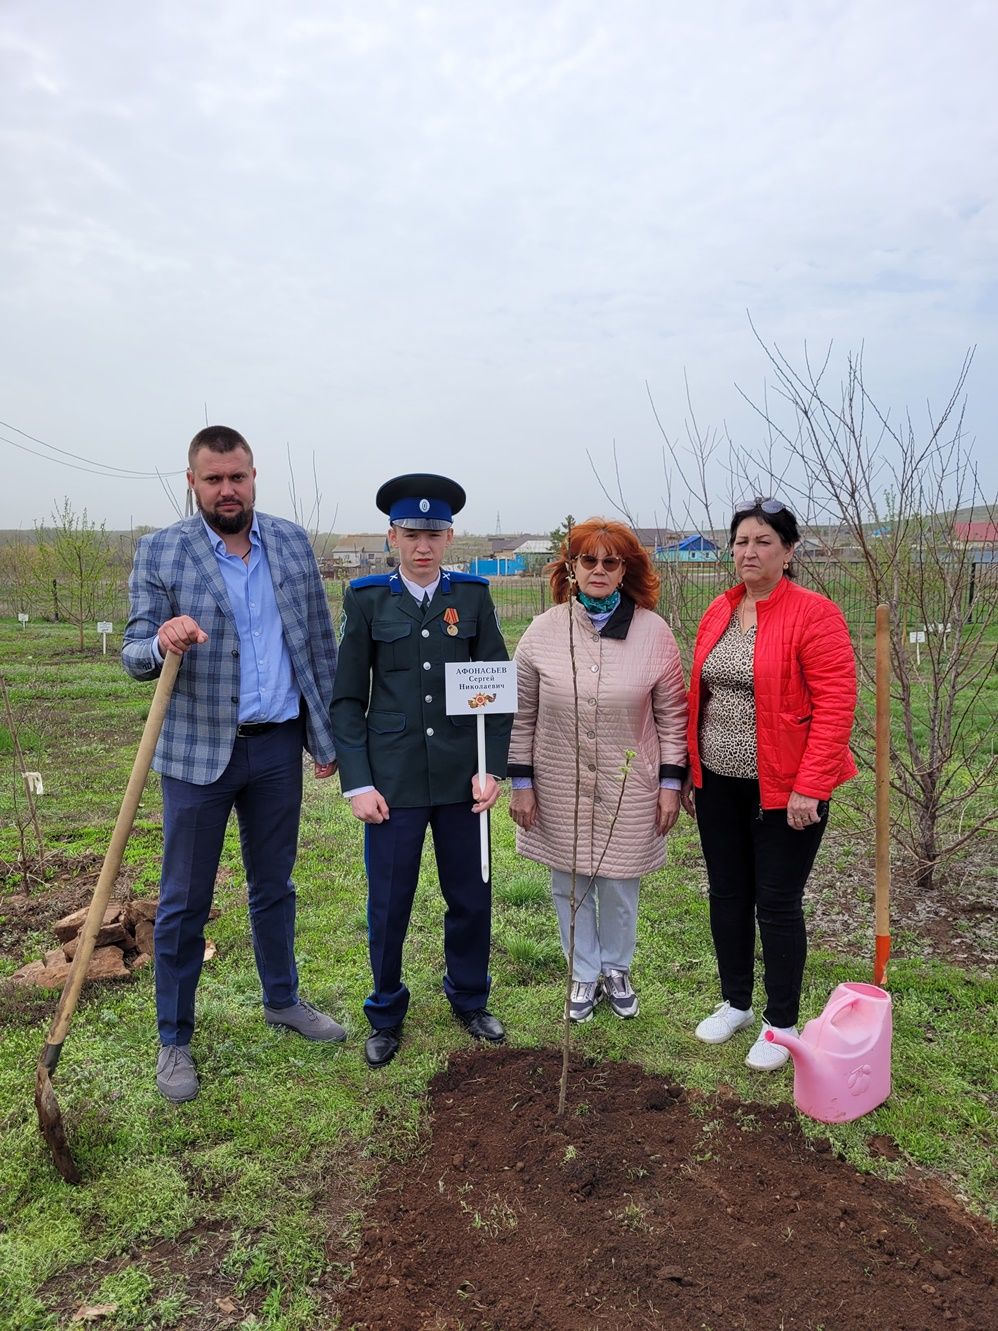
x: 480, y: 686
x: 483, y: 819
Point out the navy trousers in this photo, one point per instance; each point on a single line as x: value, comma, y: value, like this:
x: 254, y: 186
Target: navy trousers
x: 757, y: 866
x: 263, y: 782
x: 392, y: 852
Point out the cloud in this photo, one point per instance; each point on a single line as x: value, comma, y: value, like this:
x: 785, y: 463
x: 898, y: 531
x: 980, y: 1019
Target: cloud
x: 415, y: 235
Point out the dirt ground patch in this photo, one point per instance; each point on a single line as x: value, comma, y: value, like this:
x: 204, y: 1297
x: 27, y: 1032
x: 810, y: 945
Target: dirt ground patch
x: 194, y: 1263
x: 956, y: 922
x: 68, y: 885
x: 208, y: 1271
x: 645, y: 1207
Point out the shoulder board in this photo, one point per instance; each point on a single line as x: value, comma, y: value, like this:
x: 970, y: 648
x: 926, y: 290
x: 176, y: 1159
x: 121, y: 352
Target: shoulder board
x: 468, y: 577
x: 372, y: 580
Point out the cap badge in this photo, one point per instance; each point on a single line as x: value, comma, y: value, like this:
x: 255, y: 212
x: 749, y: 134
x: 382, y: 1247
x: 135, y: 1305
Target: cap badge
x: 424, y: 506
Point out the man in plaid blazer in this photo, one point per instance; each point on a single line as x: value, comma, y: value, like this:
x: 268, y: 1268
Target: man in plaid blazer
x: 239, y: 596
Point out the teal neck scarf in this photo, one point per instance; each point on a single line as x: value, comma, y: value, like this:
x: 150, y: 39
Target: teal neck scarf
x: 600, y: 605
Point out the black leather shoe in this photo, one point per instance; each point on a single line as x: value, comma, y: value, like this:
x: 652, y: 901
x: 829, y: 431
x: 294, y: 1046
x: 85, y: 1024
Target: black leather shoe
x: 482, y: 1025
x: 380, y: 1047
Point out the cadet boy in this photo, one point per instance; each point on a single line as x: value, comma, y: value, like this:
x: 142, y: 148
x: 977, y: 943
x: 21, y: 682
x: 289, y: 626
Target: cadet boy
x: 405, y: 764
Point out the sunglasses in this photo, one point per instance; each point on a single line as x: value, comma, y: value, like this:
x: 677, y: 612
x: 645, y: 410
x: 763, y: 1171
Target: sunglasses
x: 769, y: 506
x: 609, y: 562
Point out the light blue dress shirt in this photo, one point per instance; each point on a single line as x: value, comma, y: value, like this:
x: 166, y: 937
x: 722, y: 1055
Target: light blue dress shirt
x: 267, y: 688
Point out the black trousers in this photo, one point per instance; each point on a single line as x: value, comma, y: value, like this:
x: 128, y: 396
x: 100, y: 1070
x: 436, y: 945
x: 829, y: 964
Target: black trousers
x: 757, y: 866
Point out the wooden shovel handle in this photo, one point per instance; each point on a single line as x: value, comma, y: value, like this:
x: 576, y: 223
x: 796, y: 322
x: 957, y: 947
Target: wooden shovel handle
x: 882, y: 889
x: 112, y: 861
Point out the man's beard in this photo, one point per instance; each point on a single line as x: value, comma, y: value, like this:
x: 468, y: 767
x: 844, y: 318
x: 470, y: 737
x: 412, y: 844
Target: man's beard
x: 227, y: 524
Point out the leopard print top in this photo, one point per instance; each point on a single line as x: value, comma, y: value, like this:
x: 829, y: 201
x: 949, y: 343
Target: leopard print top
x: 727, y: 718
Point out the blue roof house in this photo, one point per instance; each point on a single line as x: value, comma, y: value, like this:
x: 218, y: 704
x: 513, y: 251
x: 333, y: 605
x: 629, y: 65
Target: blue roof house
x: 693, y: 548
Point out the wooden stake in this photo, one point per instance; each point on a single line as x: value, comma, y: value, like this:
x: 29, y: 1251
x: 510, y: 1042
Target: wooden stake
x: 882, y: 896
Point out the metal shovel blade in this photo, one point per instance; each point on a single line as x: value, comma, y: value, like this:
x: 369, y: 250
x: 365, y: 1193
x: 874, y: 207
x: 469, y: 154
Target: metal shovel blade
x: 50, y: 1122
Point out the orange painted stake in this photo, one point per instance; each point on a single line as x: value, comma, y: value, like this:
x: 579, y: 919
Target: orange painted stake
x: 882, y: 892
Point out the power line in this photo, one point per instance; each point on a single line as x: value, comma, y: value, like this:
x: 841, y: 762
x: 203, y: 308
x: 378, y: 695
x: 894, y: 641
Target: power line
x: 95, y: 468
x: 92, y: 471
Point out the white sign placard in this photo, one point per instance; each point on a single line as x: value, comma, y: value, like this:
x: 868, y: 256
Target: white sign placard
x: 474, y: 688
x: 105, y: 626
x: 22, y: 618
x: 916, y: 635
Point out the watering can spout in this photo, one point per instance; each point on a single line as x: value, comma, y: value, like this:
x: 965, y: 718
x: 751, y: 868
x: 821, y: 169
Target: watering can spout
x: 801, y: 1053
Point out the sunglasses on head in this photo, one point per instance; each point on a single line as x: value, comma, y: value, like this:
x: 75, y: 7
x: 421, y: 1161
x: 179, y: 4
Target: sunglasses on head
x: 769, y: 506
x: 609, y: 562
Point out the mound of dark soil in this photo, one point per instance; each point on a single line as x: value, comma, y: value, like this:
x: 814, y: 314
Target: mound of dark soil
x: 644, y: 1207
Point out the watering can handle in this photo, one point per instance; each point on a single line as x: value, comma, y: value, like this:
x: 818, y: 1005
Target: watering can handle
x: 834, y: 1009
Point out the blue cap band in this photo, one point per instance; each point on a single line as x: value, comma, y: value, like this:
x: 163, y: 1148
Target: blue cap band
x: 421, y: 509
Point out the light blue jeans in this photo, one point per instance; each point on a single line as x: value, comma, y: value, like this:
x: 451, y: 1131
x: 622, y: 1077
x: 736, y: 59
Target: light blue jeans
x: 606, y: 922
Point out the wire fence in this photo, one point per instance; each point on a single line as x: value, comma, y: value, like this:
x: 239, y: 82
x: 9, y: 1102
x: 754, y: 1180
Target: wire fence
x: 686, y: 591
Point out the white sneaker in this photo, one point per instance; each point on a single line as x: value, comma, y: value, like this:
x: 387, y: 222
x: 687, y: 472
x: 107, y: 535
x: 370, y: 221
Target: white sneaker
x: 722, y: 1023
x: 765, y: 1056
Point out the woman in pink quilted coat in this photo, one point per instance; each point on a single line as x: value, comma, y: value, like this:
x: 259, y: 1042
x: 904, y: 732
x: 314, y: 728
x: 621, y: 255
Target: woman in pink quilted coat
x: 574, y: 729
x: 772, y: 696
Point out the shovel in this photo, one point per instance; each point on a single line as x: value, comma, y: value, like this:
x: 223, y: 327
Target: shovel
x: 49, y: 1117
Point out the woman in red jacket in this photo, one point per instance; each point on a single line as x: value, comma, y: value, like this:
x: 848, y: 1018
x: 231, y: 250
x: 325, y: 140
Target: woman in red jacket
x: 772, y: 696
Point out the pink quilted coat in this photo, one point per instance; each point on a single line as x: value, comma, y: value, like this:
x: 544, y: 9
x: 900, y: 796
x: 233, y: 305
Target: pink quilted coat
x: 631, y: 696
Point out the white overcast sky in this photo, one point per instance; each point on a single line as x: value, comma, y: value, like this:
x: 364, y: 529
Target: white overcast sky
x: 460, y: 237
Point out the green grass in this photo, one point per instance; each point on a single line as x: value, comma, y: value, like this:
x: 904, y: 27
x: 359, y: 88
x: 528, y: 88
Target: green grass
x: 272, y: 1162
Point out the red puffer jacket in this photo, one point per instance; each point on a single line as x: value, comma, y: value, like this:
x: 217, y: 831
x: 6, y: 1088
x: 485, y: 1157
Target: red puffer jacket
x: 805, y: 691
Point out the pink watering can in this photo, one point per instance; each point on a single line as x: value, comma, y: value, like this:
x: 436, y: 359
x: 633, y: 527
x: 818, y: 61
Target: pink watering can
x: 842, y: 1059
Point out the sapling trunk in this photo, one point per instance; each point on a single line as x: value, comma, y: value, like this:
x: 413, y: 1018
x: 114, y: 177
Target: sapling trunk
x: 18, y: 775
x: 566, y: 1034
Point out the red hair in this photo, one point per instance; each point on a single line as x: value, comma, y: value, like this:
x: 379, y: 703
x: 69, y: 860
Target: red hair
x: 613, y: 538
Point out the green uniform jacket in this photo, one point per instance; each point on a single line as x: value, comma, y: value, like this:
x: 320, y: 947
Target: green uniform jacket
x: 388, y: 712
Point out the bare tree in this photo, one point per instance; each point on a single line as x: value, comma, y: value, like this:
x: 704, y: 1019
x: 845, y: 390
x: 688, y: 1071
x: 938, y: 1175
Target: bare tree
x: 31, y: 866
x: 887, y: 499
x: 890, y: 496
x: 309, y: 519
x: 699, y: 489
x: 620, y: 503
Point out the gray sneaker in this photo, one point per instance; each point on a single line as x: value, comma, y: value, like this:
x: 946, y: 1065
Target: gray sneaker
x: 619, y: 994
x: 585, y: 995
x: 176, y: 1078
x: 306, y: 1020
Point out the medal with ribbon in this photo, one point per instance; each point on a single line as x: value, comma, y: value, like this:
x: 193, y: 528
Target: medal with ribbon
x: 451, y: 619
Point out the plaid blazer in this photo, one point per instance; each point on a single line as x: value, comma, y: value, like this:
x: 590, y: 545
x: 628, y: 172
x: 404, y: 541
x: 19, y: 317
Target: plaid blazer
x: 176, y: 573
